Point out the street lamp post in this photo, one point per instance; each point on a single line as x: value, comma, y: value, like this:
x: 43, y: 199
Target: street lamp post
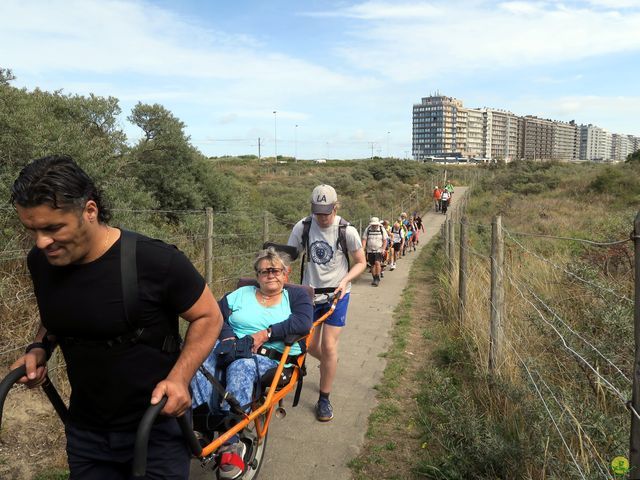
x: 295, y: 141
x: 388, y: 133
x: 275, y: 135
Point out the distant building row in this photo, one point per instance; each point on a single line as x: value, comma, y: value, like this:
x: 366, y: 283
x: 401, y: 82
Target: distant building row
x: 442, y: 127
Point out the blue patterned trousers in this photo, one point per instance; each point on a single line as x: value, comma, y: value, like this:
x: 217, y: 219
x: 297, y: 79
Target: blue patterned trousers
x: 241, y: 376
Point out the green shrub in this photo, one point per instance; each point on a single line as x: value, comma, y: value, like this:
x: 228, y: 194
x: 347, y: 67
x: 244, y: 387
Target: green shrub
x: 618, y: 181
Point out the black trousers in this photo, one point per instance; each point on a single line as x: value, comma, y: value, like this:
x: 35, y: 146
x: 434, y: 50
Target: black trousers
x: 109, y: 455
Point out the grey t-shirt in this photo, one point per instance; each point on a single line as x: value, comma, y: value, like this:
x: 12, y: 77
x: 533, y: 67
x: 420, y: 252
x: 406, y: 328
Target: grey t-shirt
x: 327, y: 264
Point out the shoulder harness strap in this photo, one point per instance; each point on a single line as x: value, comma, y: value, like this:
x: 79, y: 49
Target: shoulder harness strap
x: 306, y: 226
x: 129, y: 274
x: 342, y: 241
x: 158, y: 338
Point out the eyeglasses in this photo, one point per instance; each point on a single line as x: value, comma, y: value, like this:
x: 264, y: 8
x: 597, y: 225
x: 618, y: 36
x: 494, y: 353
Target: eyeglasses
x: 270, y: 271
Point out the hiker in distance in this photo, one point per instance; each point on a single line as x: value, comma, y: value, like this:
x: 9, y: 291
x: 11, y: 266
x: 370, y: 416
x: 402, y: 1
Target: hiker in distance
x: 375, y: 240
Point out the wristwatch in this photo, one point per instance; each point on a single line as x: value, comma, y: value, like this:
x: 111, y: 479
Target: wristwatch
x: 45, y: 344
x: 42, y: 345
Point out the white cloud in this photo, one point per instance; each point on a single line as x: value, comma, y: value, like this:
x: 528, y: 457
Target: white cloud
x: 521, y: 8
x: 550, y: 80
x: 616, y: 4
x: 469, y: 36
x: 113, y: 37
x: 383, y: 11
x: 613, y: 113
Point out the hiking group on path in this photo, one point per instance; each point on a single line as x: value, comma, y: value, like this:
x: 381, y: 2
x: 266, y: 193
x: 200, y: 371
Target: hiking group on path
x: 127, y: 323
x: 385, y: 244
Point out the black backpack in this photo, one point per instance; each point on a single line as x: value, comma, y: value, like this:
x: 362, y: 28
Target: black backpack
x: 157, y: 336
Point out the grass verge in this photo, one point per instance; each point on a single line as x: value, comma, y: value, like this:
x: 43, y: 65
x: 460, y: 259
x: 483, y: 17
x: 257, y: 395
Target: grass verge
x: 429, y: 423
x: 394, y: 435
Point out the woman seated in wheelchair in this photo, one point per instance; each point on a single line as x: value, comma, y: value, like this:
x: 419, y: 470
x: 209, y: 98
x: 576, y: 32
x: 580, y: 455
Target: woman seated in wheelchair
x: 256, y: 321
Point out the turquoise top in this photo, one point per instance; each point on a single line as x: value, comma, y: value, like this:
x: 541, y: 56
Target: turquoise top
x: 248, y: 316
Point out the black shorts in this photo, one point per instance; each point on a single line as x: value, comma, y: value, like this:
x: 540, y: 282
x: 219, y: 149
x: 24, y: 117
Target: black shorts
x: 373, y: 257
x: 396, y: 246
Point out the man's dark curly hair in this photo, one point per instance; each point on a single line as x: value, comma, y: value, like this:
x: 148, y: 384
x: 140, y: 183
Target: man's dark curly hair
x: 59, y: 182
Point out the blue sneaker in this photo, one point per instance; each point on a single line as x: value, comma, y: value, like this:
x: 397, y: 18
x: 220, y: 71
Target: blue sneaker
x: 324, y: 410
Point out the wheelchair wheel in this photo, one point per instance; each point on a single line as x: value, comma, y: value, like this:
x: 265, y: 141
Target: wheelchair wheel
x: 255, y: 451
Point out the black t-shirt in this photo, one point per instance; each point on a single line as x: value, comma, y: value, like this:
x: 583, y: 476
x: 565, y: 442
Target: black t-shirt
x: 111, y: 386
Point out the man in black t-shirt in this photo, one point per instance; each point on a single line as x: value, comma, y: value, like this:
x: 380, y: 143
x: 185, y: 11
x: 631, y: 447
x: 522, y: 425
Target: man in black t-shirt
x: 117, y: 365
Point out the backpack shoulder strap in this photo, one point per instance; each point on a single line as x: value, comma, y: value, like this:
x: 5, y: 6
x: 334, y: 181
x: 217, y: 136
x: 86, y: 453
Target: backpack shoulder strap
x: 342, y: 240
x: 163, y: 339
x: 129, y: 276
x: 306, y: 226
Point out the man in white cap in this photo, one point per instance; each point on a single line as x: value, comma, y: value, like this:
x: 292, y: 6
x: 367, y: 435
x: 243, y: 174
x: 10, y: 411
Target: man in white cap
x: 375, y: 240
x: 327, y: 240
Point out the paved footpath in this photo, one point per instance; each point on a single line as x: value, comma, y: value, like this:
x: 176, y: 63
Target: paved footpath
x: 299, y: 447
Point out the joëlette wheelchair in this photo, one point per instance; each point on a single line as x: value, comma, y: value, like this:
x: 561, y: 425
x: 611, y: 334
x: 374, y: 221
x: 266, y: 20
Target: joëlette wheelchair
x: 205, y: 431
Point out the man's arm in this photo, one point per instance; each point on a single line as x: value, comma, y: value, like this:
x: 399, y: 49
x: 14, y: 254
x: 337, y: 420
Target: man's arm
x: 205, y: 322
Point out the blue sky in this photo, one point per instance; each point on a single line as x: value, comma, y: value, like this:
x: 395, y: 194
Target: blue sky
x: 346, y: 72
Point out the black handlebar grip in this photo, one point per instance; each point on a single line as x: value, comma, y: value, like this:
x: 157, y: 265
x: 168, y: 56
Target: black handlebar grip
x: 142, y: 438
x: 189, y: 436
x: 7, y: 382
x: 53, y: 395
x: 140, y: 451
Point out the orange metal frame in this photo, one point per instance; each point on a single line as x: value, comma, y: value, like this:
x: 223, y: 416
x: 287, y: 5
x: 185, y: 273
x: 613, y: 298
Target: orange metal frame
x: 273, y: 396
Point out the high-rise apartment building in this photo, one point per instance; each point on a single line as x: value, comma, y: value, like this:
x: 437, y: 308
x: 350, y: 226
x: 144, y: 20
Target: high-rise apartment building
x: 635, y: 143
x: 536, y: 138
x: 621, y: 146
x: 443, y: 127
x: 595, y: 143
x: 501, y: 139
x: 435, y: 127
x: 566, y: 143
x: 474, y: 143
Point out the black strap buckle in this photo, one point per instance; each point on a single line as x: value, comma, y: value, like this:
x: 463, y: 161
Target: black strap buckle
x: 276, y: 355
x: 131, y: 337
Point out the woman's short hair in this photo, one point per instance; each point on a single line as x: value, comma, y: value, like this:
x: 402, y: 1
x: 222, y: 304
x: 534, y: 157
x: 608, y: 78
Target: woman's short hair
x: 273, y: 257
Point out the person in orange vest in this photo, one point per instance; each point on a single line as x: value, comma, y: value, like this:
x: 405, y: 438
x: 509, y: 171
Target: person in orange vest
x: 437, y: 193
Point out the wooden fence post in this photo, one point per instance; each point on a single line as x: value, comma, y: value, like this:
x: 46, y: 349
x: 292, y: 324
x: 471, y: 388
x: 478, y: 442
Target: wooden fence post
x: 452, y: 245
x: 497, y: 295
x: 265, y: 227
x: 462, y: 273
x: 634, y: 449
x: 445, y: 243
x: 208, y: 252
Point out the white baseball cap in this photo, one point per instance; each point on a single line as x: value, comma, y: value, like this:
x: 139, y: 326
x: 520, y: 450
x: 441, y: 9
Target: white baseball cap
x: 323, y: 199
x: 374, y: 221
